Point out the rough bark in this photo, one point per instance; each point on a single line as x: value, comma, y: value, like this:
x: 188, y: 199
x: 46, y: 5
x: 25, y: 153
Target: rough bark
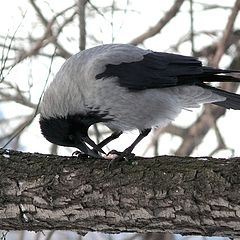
x: 180, y: 195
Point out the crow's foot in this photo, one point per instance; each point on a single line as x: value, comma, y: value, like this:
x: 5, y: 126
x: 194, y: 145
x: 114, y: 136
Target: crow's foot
x: 119, y: 157
x: 79, y: 154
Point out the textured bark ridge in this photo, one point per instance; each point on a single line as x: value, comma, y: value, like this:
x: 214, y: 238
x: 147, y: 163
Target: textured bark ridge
x: 181, y: 195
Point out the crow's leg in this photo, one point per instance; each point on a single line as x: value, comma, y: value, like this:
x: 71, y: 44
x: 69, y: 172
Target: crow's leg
x: 127, y: 153
x: 142, y: 135
x: 107, y: 140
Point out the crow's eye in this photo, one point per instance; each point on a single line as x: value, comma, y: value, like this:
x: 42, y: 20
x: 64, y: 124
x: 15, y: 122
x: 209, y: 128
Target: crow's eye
x: 71, y: 137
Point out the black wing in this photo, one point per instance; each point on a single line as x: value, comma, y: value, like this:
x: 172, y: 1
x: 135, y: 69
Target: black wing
x: 158, y: 70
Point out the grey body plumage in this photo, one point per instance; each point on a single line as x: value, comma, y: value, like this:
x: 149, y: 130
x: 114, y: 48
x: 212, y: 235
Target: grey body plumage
x: 126, y: 88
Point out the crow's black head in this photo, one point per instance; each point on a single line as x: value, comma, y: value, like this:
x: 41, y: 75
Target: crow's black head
x: 70, y: 131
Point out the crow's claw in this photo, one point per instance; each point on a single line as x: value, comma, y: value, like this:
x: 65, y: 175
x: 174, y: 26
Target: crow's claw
x: 79, y: 154
x: 125, y: 155
x: 121, y: 156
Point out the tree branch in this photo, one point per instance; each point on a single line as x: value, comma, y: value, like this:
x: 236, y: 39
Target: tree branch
x: 179, y: 195
x: 48, y: 25
x: 82, y: 24
x: 160, y: 24
x: 221, y: 47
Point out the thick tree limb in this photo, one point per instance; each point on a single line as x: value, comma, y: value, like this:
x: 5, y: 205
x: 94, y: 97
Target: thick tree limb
x: 179, y: 195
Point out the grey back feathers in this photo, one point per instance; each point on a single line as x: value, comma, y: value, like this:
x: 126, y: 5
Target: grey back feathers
x: 135, y: 88
x: 74, y: 86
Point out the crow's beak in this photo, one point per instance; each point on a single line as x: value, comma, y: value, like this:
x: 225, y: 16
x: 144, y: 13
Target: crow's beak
x: 82, y: 146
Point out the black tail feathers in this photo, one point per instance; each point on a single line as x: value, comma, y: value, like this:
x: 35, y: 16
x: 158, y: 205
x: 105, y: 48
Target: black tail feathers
x: 220, y: 75
x: 232, y: 99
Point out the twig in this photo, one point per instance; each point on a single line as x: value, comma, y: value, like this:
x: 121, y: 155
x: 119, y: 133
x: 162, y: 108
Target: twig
x: 37, y: 9
x: 82, y: 24
x: 210, y: 51
x: 17, y: 98
x: 5, y: 58
x: 197, y: 131
x: 97, y: 10
x: 192, y: 27
x: 46, y: 23
x: 221, y: 143
x: 54, y: 149
x: 187, y: 37
x: 207, y: 6
x: 112, y: 17
x: 32, y: 116
x: 171, y: 129
x: 16, y: 131
x: 50, y: 234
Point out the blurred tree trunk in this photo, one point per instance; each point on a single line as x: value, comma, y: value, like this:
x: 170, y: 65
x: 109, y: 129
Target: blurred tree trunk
x: 179, y: 195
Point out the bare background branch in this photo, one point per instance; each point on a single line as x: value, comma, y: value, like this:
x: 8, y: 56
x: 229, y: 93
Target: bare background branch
x: 160, y: 24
